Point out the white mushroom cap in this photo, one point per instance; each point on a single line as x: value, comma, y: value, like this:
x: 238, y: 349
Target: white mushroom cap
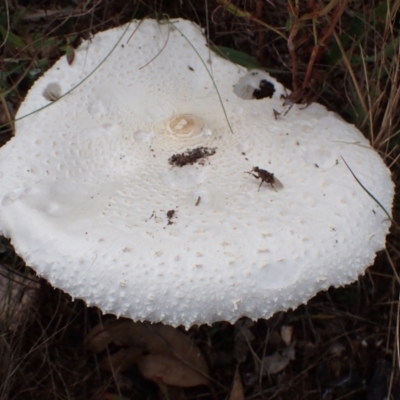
x: 90, y: 200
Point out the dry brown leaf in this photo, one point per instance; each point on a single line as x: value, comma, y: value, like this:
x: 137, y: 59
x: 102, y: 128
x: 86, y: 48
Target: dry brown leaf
x: 98, y: 338
x: 163, y: 368
x: 237, y: 387
x: 145, y: 337
x: 274, y: 363
x: 121, y: 333
x: 278, y: 361
x: 287, y: 333
x: 122, y: 360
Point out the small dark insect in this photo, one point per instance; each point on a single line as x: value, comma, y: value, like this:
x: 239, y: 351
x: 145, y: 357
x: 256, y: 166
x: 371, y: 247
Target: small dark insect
x: 190, y: 68
x: 266, y: 177
x: 191, y: 156
x: 198, y: 201
x: 170, y: 215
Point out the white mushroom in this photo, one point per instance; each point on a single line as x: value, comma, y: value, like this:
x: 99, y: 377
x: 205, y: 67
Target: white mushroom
x: 97, y: 196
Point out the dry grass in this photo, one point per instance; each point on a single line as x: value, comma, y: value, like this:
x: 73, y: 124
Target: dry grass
x: 347, y: 339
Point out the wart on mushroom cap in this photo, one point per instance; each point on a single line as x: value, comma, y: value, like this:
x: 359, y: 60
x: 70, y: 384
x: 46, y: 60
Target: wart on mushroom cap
x: 86, y: 188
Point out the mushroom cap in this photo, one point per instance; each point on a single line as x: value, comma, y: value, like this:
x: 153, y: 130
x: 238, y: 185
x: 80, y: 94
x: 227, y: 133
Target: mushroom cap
x: 92, y: 199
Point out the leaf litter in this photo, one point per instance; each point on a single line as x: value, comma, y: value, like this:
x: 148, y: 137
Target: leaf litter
x: 237, y: 392
x: 161, y: 353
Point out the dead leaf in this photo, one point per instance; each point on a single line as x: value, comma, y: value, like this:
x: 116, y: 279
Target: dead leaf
x: 122, y: 360
x: 237, y: 387
x: 166, y: 338
x: 274, y: 363
x: 279, y: 360
x: 287, y: 333
x: 163, y: 368
x: 138, y: 338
